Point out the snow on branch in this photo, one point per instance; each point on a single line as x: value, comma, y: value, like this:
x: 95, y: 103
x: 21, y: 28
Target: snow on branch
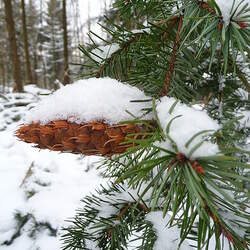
x: 101, y: 53
x: 187, y: 127
x: 232, y: 9
x: 102, y: 99
x: 168, y: 238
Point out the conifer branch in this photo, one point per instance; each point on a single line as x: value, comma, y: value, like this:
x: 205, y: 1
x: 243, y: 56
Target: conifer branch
x: 205, y: 6
x: 123, y: 47
x: 243, y: 78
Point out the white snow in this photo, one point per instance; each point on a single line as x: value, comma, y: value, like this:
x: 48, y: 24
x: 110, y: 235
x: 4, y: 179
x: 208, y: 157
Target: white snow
x: 243, y: 94
x: 32, y: 88
x: 245, y: 121
x: 139, y: 31
x: 102, y: 99
x: 227, y: 7
x: 91, y: 245
x: 126, y: 195
x: 183, y: 128
x: 103, y: 52
x: 168, y: 238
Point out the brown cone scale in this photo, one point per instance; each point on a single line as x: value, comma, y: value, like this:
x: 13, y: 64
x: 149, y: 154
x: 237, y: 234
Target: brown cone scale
x: 93, y: 138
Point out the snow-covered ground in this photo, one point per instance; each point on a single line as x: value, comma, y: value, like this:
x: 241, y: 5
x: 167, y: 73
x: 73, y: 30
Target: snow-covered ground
x: 39, y: 190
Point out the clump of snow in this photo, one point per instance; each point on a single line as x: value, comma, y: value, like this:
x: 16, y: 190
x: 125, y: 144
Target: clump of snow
x: 102, y: 99
x: 227, y: 8
x: 168, y: 238
x: 186, y: 122
x: 129, y: 34
x: 243, y: 94
x: 103, y: 52
x: 33, y: 89
x: 137, y: 31
x: 245, y: 121
x: 235, y: 221
x: 91, y: 245
x: 126, y: 195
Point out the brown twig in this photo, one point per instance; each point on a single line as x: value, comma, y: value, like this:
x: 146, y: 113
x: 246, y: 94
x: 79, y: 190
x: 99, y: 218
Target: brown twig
x: 205, y: 6
x: 222, y: 230
x: 171, y: 68
x: 135, y: 37
x: 181, y: 158
x: 28, y: 174
x: 172, y: 21
x: 124, y: 210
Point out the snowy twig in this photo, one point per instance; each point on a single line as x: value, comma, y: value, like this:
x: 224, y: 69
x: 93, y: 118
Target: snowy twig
x: 28, y: 174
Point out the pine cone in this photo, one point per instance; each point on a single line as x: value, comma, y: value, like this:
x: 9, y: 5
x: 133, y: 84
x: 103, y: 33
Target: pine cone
x: 92, y: 138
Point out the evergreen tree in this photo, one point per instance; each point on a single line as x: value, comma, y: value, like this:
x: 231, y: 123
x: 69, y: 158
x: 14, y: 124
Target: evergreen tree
x: 33, y: 30
x: 66, y: 78
x: 53, y: 46
x: 26, y: 45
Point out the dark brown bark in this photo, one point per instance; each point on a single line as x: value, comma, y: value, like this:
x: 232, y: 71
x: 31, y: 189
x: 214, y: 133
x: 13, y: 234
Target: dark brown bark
x: 3, y: 76
x: 18, y: 85
x: 171, y: 68
x: 35, y: 67
x: 66, y: 79
x: 26, y: 46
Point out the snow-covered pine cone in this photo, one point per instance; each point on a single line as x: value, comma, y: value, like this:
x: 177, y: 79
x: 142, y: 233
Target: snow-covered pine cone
x: 89, y: 117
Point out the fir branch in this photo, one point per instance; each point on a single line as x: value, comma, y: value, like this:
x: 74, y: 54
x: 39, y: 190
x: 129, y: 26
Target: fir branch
x: 243, y: 79
x: 123, y: 47
x: 205, y: 6
x: 22, y: 220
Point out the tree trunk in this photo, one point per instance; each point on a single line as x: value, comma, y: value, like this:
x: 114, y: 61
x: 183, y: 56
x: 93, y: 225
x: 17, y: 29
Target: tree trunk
x: 35, y: 66
x: 13, y: 47
x: 44, y: 74
x: 3, y: 76
x: 66, y: 79
x: 26, y: 46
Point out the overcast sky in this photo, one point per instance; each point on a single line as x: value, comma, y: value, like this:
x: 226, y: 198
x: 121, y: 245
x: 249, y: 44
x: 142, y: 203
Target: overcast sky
x: 94, y: 7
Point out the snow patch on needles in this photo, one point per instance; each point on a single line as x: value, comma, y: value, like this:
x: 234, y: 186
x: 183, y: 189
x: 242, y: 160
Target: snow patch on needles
x: 102, y: 99
x: 245, y: 121
x: 227, y: 8
x: 101, y: 53
x: 185, y: 124
x: 168, y: 238
x: 125, y: 195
